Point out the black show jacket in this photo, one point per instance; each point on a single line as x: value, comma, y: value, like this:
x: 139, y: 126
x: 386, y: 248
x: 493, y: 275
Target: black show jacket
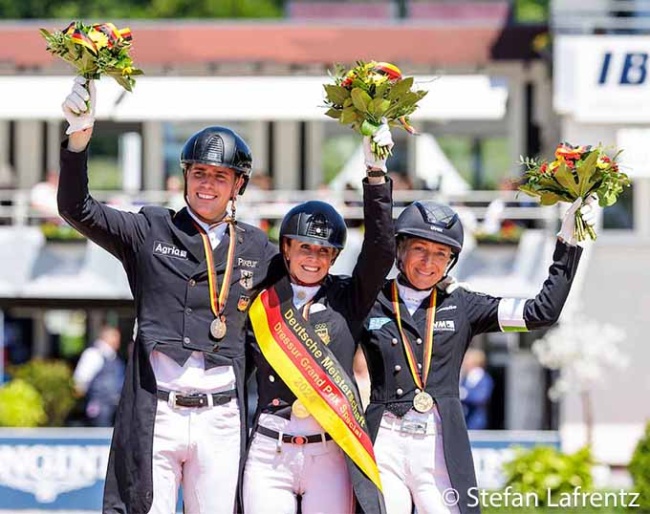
x: 459, y: 317
x: 346, y: 302
x: 163, y: 256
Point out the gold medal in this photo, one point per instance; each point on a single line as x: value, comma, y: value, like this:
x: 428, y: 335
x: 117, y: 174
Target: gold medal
x: 423, y: 402
x: 218, y: 328
x: 299, y: 410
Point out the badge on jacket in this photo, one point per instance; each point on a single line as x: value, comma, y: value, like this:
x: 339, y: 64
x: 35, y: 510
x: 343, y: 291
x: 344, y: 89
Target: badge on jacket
x: 323, y: 333
x: 246, y: 279
x: 377, y: 323
x: 242, y: 303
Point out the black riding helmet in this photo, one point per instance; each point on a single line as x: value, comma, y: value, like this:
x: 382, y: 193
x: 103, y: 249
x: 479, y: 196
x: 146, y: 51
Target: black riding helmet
x: 218, y: 146
x: 315, y: 222
x: 432, y: 221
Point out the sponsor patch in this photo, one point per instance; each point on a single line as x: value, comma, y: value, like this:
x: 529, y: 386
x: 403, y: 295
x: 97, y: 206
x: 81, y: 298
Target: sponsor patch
x: 246, y: 279
x: 323, y: 333
x: 242, y: 303
x: 246, y: 263
x: 377, y: 323
x: 445, y: 325
x: 168, y: 250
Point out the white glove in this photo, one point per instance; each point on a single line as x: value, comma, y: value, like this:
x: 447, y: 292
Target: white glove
x: 589, y: 215
x: 78, y: 115
x: 381, y: 137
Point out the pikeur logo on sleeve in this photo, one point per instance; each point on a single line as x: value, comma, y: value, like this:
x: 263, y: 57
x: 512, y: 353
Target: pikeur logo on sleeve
x: 168, y: 250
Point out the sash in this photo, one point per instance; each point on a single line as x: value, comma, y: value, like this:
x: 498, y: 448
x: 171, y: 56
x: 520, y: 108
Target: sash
x: 309, y: 368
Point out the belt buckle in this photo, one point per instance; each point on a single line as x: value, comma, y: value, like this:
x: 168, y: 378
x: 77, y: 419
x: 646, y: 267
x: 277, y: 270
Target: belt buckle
x: 299, y: 440
x: 414, y: 427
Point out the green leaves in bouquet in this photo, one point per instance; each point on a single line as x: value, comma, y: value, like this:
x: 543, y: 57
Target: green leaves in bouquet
x: 362, y: 95
x: 95, y: 50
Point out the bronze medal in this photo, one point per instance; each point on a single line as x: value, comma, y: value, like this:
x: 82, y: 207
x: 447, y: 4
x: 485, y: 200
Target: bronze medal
x: 423, y: 402
x: 299, y: 410
x: 218, y: 328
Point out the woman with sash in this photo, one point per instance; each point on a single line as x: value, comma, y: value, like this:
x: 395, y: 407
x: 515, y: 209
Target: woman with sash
x: 310, y: 444
x: 414, y: 341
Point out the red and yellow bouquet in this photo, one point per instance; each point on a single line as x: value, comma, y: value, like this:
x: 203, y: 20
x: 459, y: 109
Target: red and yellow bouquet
x: 368, y: 93
x: 576, y: 172
x: 95, y: 50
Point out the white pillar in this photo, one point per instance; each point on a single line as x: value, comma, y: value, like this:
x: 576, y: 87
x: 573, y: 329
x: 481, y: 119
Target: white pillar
x: 52, y: 145
x: 153, y: 156
x: 516, y: 117
x: 257, y: 137
x: 286, y: 155
x: 28, y: 149
x: 7, y: 177
x: 314, y: 148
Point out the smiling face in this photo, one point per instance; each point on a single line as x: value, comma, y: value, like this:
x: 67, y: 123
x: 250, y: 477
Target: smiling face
x: 209, y: 188
x: 308, y: 263
x: 423, y: 262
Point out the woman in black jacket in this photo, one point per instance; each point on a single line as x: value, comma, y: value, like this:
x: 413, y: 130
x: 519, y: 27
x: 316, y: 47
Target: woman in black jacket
x: 414, y: 340
x: 309, y: 440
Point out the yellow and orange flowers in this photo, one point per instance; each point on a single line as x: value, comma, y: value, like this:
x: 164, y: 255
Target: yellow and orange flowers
x: 576, y: 172
x: 95, y: 50
x: 369, y: 92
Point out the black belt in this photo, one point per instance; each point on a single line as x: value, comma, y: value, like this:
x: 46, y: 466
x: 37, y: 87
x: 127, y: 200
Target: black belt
x: 195, y: 399
x: 294, y: 439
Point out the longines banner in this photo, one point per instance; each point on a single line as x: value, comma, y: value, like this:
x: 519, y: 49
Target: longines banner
x: 602, y: 79
x: 63, y: 469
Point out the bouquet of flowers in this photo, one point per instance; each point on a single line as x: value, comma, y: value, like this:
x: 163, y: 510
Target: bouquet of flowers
x: 367, y: 94
x: 576, y: 172
x: 95, y: 50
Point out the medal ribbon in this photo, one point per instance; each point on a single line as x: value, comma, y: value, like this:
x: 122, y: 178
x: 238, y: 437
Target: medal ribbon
x: 428, y: 339
x: 313, y: 374
x: 218, y: 302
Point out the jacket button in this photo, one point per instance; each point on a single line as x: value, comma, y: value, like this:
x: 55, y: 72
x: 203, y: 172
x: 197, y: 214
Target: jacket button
x: 188, y: 311
x: 398, y: 367
x: 192, y: 282
x: 393, y: 341
x: 271, y: 378
x: 399, y: 392
x: 418, y: 341
x: 419, y: 366
x: 186, y: 340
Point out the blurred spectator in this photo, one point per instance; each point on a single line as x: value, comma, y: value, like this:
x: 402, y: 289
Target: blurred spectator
x: 99, y: 376
x: 43, y: 198
x: 476, y: 387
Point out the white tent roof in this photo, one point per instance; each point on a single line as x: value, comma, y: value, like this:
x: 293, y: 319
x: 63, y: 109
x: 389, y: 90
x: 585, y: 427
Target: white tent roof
x: 238, y: 98
x: 431, y: 166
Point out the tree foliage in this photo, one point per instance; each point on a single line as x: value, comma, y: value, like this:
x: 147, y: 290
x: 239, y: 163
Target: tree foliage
x: 130, y: 9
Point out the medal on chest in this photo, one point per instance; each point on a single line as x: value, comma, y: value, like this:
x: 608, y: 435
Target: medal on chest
x: 218, y: 297
x: 218, y: 328
x: 299, y: 410
x: 423, y: 401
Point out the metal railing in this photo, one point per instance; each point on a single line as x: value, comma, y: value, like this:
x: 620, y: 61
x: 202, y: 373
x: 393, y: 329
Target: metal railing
x: 16, y: 209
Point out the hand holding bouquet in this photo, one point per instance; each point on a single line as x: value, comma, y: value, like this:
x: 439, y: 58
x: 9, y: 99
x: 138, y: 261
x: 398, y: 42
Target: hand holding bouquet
x: 369, y: 94
x: 578, y: 172
x: 95, y: 50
